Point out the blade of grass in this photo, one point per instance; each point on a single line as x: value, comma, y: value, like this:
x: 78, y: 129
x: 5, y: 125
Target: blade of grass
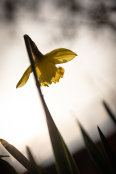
x: 112, y: 116
x: 64, y: 162
x: 31, y: 158
x: 17, y: 155
x: 108, y: 151
x: 94, y: 152
x: 73, y: 164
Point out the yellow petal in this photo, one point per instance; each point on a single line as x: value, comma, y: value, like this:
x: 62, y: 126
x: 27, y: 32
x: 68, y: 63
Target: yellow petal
x: 45, y: 72
x: 45, y: 84
x: 59, y: 74
x: 60, y: 55
x: 24, y: 78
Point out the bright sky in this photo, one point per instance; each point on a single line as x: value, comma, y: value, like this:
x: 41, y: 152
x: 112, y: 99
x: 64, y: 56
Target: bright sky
x: 89, y: 78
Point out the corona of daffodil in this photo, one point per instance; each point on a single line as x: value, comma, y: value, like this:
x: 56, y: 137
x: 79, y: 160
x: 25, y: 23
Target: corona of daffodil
x: 45, y: 67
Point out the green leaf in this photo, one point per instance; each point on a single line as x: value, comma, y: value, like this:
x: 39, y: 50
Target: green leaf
x: 109, y: 112
x: 96, y: 155
x: 33, y: 163
x: 17, y: 155
x: 64, y: 162
x: 109, y: 153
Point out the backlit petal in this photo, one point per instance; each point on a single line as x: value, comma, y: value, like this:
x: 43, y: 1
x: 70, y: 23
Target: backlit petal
x: 59, y: 74
x: 24, y: 78
x: 45, y: 67
x: 45, y: 72
x: 60, y: 55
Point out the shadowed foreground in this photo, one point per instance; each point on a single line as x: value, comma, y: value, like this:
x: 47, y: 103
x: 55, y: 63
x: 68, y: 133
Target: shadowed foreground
x: 83, y: 160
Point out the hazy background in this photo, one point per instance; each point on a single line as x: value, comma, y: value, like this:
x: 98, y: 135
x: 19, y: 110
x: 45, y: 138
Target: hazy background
x: 86, y: 27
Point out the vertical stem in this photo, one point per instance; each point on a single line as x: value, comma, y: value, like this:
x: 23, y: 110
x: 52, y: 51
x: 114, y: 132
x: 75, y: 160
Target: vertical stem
x: 35, y: 74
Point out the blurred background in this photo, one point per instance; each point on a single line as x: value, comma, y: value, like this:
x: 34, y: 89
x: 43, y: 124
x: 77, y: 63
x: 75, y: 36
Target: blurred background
x: 86, y: 27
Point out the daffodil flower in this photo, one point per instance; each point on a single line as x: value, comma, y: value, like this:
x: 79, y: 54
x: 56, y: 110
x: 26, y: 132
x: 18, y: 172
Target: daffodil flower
x: 45, y: 67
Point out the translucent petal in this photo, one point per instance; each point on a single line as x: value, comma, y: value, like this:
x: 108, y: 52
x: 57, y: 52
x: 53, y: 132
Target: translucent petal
x: 45, y: 67
x: 59, y: 74
x: 60, y: 55
x: 45, y: 72
x: 24, y: 78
